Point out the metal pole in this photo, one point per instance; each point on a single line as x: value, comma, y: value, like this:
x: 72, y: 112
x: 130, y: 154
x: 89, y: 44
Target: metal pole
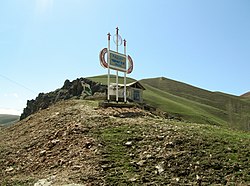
x: 117, y: 29
x: 108, y: 66
x: 125, y: 73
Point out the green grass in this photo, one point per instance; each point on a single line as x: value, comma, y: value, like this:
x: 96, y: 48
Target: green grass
x: 196, y: 104
x: 217, y: 154
x: 187, y: 109
x: 193, y: 104
x: 116, y: 154
x: 6, y: 119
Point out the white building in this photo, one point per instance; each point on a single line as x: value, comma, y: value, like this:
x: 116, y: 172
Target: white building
x: 134, y: 91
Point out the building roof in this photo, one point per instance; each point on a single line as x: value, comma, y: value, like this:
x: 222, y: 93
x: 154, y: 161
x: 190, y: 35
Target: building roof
x: 135, y: 84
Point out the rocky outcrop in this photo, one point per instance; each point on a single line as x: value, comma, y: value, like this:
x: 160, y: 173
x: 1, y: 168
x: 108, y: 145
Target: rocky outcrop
x: 80, y: 88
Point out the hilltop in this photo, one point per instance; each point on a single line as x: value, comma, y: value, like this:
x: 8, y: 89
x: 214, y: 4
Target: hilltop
x: 75, y: 141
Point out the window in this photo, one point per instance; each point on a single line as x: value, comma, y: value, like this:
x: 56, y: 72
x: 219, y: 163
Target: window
x: 137, y: 96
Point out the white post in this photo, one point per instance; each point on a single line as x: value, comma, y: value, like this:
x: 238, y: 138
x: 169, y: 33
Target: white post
x: 125, y: 73
x: 117, y: 29
x: 108, y: 67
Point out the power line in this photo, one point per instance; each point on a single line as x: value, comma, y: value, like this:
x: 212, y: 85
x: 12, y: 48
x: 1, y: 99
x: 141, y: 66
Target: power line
x: 19, y: 84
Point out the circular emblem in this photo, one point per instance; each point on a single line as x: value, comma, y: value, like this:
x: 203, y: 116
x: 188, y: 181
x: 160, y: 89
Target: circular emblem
x: 117, y: 39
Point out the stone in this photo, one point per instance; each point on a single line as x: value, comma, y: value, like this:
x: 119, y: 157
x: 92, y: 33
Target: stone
x: 42, y: 153
x: 159, y: 168
x: 132, y: 179
x: 160, y: 137
x: 43, y: 182
x: 141, y: 162
x: 128, y: 144
x: 9, y: 169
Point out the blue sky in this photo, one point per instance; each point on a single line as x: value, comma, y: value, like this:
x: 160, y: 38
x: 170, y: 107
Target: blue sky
x: 44, y: 42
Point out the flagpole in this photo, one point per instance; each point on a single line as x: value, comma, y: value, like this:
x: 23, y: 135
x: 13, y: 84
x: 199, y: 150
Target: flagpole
x: 108, y: 67
x: 125, y: 73
x: 117, y: 29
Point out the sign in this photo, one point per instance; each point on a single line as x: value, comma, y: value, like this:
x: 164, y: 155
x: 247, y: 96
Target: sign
x: 104, y: 63
x: 117, y: 61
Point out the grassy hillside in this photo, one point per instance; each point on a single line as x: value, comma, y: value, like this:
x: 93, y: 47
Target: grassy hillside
x: 193, y: 104
x: 196, y: 104
x: 6, y: 119
x: 187, y: 109
x: 74, y: 141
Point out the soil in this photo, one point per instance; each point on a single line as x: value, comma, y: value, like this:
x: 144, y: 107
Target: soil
x: 76, y: 142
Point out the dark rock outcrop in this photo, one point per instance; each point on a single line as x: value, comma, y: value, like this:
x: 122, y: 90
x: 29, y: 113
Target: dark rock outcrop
x: 80, y: 88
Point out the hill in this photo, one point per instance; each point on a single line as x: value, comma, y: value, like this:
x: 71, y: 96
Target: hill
x: 6, y: 119
x: 246, y: 95
x: 74, y: 141
x: 191, y: 103
x: 196, y: 104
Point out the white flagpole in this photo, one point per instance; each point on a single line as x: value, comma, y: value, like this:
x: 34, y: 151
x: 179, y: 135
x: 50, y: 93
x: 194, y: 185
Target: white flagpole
x: 117, y: 29
x: 108, y: 67
x: 125, y: 73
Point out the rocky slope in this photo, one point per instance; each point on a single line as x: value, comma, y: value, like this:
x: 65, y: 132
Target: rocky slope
x: 74, y: 141
x: 75, y: 89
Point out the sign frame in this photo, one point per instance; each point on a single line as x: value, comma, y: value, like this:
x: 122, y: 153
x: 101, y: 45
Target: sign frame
x: 117, y: 61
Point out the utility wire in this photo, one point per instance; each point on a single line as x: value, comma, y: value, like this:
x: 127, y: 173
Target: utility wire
x: 19, y: 84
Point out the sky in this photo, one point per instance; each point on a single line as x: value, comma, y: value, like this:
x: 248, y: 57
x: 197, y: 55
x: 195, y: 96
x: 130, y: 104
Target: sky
x: 44, y: 42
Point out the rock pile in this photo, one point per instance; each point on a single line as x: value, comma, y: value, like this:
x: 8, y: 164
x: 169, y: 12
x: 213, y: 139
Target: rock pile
x: 80, y: 88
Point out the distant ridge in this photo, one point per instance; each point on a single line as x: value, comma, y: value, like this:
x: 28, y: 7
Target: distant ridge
x: 7, y: 119
x: 246, y: 95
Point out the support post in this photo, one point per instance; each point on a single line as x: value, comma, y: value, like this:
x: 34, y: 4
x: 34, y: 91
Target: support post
x: 117, y: 29
x: 125, y: 74
x: 108, y: 67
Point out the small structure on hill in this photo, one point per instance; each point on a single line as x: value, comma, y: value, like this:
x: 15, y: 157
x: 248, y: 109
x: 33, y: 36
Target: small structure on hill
x: 134, y: 91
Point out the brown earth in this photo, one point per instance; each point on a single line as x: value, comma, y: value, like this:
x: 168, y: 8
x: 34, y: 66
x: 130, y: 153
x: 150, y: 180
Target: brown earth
x: 246, y: 95
x: 57, y: 141
x: 74, y: 141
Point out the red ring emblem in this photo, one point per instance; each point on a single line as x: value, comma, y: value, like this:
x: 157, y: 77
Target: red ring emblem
x: 102, y: 58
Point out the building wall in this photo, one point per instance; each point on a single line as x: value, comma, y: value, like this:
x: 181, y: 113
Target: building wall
x: 137, y: 95
x: 133, y: 94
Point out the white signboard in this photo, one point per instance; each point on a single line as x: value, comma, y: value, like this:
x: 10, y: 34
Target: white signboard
x: 117, y: 61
